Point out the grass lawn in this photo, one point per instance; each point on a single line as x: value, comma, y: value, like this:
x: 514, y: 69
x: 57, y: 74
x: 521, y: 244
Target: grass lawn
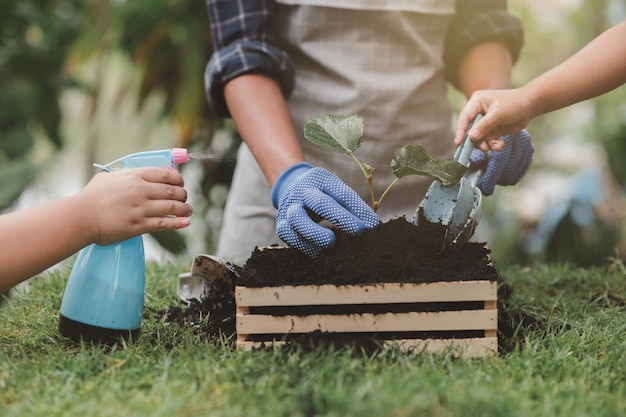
x: 572, y: 365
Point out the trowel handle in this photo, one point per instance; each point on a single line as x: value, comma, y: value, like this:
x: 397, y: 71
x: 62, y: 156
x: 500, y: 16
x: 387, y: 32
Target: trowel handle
x: 463, y: 152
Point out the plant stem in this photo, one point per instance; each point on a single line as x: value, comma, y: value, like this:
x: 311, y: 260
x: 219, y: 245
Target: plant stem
x: 358, y: 163
x: 385, y: 192
x: 371, y: 185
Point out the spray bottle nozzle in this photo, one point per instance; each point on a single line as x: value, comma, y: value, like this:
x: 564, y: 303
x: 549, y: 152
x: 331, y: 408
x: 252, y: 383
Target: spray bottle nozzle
x: 165, y: 158
x: 180, y: 155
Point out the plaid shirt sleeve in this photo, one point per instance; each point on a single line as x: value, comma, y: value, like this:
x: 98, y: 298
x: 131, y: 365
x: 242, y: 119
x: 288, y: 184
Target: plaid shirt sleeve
x: 244, y: 42
x: 479, y: 21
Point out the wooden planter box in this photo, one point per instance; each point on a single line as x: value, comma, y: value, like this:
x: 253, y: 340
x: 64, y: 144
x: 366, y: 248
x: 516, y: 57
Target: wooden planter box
x: 436, y: 316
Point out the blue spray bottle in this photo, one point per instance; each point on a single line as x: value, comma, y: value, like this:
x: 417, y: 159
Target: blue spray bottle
x: 104, y: 295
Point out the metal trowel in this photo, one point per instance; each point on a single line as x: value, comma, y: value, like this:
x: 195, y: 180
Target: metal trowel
x: 455, y: 210
x: 211, y: 278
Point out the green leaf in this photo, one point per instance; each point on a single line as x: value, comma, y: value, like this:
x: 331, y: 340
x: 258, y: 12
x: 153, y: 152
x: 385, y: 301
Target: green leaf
x: 413, y: 160
x: 343, y: 134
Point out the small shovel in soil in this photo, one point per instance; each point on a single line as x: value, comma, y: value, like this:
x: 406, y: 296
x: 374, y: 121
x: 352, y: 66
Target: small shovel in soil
x: 211, y: 279
x: 453, y: 212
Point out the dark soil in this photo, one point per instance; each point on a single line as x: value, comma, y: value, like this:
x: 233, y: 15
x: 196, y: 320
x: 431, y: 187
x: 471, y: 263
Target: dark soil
x: 395, y: 251
x: 209, y: 319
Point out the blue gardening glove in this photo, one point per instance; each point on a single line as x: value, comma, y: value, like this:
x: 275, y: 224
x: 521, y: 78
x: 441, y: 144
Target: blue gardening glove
x: 303, y: 187
x: 505, y: 167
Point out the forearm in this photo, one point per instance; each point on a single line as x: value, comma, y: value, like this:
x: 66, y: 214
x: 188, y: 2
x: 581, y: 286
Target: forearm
x: 35, y: 239
x: 596, y: 69
x: 487, y: 66
x: 475, y: 23
x: 260, y: 112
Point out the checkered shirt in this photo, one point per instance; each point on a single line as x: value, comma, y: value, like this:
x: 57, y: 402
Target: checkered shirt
x: 244, y: 41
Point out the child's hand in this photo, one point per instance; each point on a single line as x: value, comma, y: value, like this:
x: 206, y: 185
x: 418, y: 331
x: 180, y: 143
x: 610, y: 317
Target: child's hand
x: 123, y: 204
x: 505, y: 112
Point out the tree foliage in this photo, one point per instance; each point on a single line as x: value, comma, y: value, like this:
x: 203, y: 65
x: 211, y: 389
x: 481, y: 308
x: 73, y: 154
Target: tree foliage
x: 44, y: 43
x: 34, y: 35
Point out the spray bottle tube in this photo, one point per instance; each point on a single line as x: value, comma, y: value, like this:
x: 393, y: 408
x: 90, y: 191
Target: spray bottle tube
x: 104, y: 295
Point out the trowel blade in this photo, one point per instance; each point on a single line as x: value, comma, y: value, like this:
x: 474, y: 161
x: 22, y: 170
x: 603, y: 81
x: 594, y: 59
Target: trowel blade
x: 209, y: 275
x: 439, y: 202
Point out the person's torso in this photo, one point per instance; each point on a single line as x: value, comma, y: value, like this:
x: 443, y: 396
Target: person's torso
x: 379, y: 59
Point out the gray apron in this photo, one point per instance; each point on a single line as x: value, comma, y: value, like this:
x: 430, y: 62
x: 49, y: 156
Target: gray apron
x: 379, y: 59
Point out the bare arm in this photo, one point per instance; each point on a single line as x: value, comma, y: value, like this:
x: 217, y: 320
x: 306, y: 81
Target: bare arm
x: 486, y: 66
x: 111, y: 208
x: 260, y: 112
x: 596, y: 69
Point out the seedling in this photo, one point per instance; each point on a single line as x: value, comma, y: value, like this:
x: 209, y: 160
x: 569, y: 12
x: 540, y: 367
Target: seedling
x: 344, y: 134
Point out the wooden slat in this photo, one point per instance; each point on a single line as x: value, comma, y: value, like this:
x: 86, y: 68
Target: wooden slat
x: 388, y: 322
x: 472, y: 347
x: 366, y: 294
x: 491, y: 305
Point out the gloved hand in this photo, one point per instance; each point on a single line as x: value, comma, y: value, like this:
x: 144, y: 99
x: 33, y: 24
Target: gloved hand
x: 505, y: 167
x: 303, y: 187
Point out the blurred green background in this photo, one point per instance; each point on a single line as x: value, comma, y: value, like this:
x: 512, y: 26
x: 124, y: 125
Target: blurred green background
x: 85, y: 81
